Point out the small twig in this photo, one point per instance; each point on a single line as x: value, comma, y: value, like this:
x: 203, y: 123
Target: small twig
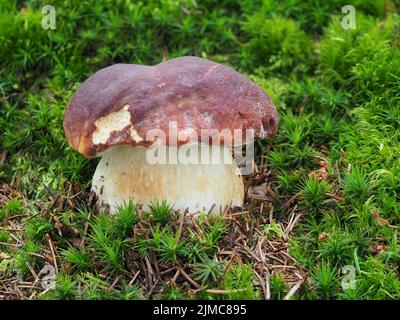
x: 218, y: 291
x: 114, y: 282
x: 85, y: 230
x: 293, y: 290
x: 11, y: 244
x: 156, y: 266
x: 32, y: 295
x: 238, y: 214
x: 278, y: 266
x: 186, y: 276
x: 338, y: 198
x: 37, y: 255
x: 273, y: 257
x: 179, y: 230
x: 31, y: 217
x: 47, y: 290
x: 167, y: 270
x: 17, y: 216
x: 247, y: 250
x: 271, y: 213
x: 229, y: 264
x: 286, y: 205
x: 260, y: 279
x: 153, y: 287
x: 11, y: 229
x: 53, y: 201
x: 134, y: 278
x: 260, y: 251
x: 211, y: 209
x: 149, y: 268
x: 52, y: 252
x: 29, y: 287
x: 292, y: 221
x: 35, y: 276
x: 198, y: 229
x: 267, y: 286
x: 3, y: 157
x: 177, y: 273
x: 48, y: 190
x: 19, y: 241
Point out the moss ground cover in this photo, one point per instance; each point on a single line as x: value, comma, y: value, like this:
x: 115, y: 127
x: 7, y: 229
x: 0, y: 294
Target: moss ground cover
x: 323, y: 206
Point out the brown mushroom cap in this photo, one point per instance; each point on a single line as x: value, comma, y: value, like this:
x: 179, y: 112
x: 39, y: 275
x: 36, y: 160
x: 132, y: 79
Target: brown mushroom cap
x: 121, y: 103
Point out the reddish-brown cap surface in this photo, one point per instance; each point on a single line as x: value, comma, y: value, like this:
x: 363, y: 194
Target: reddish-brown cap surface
x: 124, y: 103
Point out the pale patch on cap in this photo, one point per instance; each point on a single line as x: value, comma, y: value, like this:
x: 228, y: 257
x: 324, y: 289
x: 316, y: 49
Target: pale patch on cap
x: 114, y: 121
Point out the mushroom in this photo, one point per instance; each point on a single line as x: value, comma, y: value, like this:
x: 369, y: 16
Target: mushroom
x: 130, y: 115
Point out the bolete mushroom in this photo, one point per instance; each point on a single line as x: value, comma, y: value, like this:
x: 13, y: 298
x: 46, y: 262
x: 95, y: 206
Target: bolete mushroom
x: 126, y: 113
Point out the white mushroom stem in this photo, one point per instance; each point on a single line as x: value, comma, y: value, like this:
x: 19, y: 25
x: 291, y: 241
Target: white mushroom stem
x: 196, y: 177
